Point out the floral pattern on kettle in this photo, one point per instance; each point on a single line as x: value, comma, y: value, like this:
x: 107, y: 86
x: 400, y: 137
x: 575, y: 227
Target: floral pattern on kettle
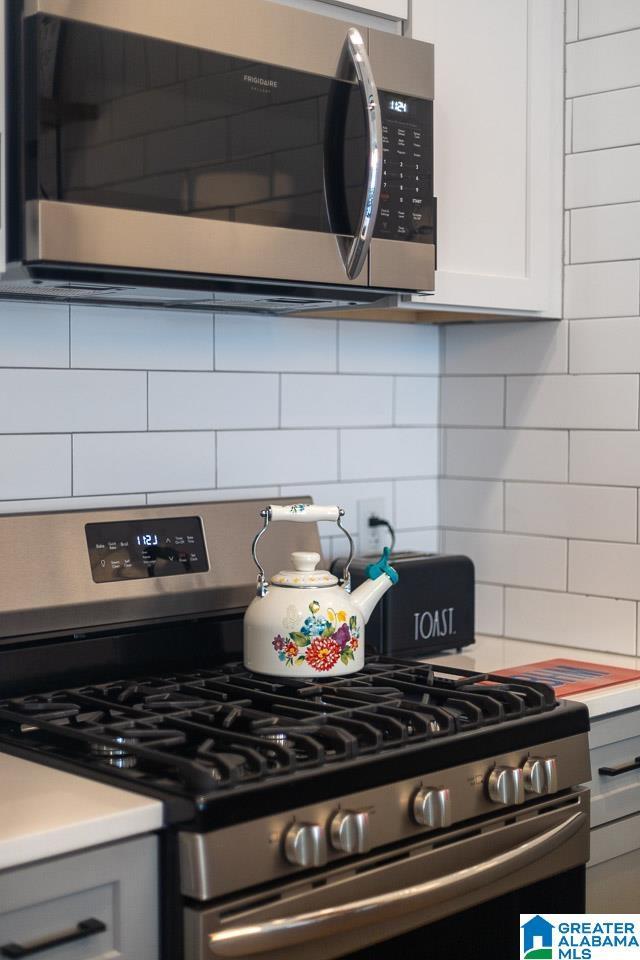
x: 321, y: 640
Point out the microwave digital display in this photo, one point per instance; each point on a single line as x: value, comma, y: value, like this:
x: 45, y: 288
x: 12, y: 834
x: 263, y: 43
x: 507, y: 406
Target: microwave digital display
x: 398, y: 106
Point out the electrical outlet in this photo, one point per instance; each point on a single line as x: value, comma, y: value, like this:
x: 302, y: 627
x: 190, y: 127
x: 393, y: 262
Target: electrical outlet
x: 370, y: 538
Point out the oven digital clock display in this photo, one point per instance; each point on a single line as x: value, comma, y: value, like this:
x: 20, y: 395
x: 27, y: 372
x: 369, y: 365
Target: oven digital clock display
x: 139, y: 549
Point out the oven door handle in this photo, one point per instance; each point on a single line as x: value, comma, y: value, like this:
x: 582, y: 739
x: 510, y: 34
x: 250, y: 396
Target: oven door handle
x: 256, y: 938
x: 354, y: 252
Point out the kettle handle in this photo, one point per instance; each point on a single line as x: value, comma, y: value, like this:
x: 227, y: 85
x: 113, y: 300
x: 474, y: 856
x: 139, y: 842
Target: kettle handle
x: 303, y: 512
x: 299, y: 513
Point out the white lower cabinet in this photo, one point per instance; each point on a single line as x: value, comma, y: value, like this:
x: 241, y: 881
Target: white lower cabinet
x: 498, y: 154
x: 107, y: 895
x: 613, y: 873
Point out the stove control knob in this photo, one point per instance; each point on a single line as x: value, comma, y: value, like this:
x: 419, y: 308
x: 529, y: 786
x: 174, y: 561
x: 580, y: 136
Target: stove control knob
x: 305, y: 845
x: 431, y: 807
x: 541, y: 775
x: 349, y: 831
x: 506, y: 785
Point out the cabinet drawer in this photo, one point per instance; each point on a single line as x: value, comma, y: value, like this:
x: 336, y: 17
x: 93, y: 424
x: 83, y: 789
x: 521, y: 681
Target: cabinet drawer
x: 115, y: 885
x: 613, y: 874
x: 618, y: 796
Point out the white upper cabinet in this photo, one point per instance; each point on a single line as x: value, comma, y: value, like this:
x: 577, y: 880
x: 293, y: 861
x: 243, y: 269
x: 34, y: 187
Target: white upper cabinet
x: 498, y: 139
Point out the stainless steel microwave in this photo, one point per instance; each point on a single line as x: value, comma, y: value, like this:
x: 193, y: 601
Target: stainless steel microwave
x: 235, y: 150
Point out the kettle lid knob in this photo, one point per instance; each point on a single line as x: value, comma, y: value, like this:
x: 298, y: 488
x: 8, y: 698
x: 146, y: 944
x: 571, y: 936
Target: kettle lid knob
x: 305, y: 562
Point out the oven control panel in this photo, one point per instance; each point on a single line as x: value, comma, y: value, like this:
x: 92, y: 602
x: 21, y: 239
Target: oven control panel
x: 137, y: 549
x: 517, y: 784
x: 406, y: 210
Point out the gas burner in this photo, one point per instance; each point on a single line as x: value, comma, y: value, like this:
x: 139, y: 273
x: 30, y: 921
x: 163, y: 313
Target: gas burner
x: 276, y: 736
x: 208, y: 732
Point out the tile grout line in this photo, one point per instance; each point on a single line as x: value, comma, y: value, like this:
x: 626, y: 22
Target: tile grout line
x: 600, y: 93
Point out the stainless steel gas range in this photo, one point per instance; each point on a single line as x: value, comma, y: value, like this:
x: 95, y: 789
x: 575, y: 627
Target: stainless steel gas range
x: 352, y: 817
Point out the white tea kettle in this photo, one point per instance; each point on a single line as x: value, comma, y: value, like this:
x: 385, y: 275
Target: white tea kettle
x: 306, y: 622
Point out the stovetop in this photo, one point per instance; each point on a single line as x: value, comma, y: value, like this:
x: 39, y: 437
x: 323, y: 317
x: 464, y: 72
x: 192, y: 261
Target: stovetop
x: 224, y: 743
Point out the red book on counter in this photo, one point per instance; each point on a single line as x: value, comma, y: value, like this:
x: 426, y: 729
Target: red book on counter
x: 569, y: 677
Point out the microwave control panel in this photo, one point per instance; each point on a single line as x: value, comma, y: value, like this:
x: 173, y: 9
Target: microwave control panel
x: 137, y: 549
x: 406, y: 210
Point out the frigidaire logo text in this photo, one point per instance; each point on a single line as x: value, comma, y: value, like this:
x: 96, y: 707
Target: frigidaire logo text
x: 436, y: 623
x: 260, y: 81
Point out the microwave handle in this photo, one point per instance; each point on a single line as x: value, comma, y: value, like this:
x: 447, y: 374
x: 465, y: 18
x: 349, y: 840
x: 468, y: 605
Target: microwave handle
x: 257, y: 938
x: 354, y: 252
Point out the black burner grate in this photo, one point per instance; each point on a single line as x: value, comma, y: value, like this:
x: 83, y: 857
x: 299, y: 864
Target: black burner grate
x: 203, y: 732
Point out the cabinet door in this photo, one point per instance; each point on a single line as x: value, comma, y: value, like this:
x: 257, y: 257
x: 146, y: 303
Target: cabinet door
x: 101, y: 904
x: 498, y: 140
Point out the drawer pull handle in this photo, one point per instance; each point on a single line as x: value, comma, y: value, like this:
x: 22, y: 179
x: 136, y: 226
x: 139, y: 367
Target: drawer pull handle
x: 86, y: 928
x: 619, y: 768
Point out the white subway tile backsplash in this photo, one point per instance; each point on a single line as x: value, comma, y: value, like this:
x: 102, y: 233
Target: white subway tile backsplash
x: 611, y: 345
x: 471, y: 504
x: 143, y: 339
x: 60, y: 401
x: 571, y: 20
x: 605, y: 63
x: 249, y: 407
x: 606, y: 120
x: 288, y: 344
x: 388, y: 348
x: 507, y: 454
x: 571, y: 620
x: 416, y: 401
x: 505, y: 558
x: 209, y: 401
x: 127, y: 462
x: 571, y: 510
x: 416, y: 503
x: 605, y: 233
x: 605, y: 569
x: 605, y: 401
x: 568, y: 459
x: 263, y: 457
x: 605, y: 457
x: 34, y: 334
x: 397, y: 452
x: 35, y: 466
x: 489, y: 609
x: 472, y: 401
x: 597, y: 18
x: 73, y: 503
x: 500, y: 348
x: 222, y: 493
x: 602, y: 176
x: 602, y: 289
x: 422, y: 541
x: 332, y: 400
x: 333, y: 548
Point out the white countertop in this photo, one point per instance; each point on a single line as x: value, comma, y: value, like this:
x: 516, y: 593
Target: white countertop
x: 498, y: 653
x: 46, y: 812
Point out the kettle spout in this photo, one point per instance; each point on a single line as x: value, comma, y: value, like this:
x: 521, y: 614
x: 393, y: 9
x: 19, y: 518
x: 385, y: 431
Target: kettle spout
x: 381, y: 576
